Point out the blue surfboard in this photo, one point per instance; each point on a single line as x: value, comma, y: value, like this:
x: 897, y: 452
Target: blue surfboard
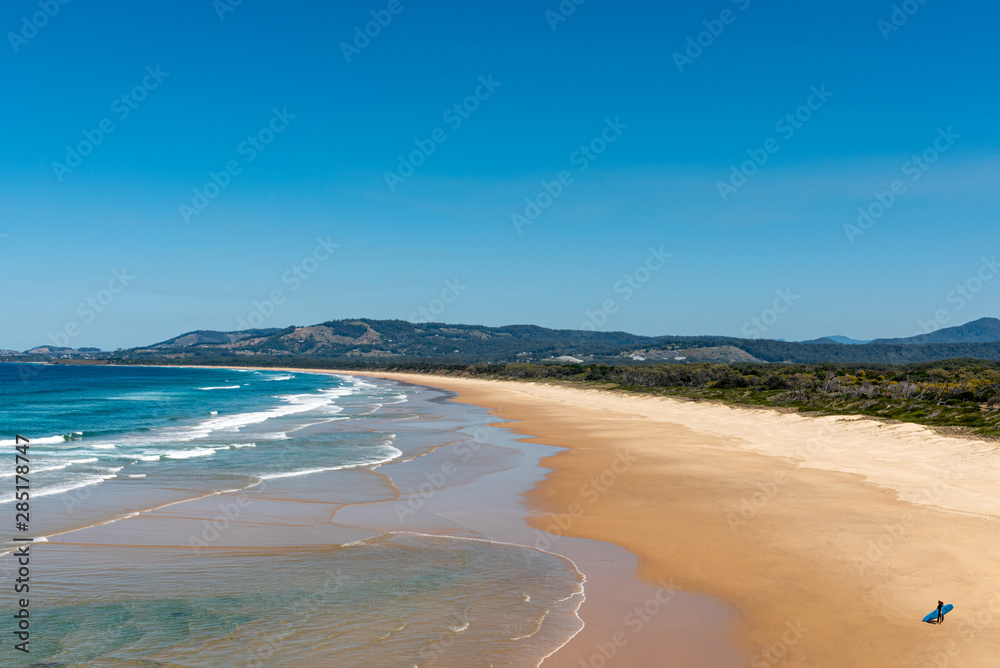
x: 934, y: 615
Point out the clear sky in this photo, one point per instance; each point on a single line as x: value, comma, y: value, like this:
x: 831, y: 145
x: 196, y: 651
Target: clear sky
x: 620, y: 121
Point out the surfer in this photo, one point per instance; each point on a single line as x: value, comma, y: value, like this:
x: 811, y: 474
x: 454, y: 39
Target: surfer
x: 940, y: 617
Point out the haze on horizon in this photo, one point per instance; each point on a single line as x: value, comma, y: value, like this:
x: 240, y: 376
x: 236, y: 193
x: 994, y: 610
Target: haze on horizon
x: 636, y: 166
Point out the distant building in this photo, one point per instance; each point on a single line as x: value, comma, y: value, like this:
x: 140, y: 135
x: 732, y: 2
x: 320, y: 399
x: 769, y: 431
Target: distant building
x: 570, y: 360
x: 638, y: 358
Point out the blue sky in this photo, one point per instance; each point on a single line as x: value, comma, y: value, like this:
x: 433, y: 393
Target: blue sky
x: 204, y: 84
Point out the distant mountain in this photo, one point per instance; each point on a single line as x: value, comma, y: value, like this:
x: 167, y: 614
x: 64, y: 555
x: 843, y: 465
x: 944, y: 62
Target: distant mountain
x: 51, y: 350
x: 843, y: 340
x: 365, y: 340
x: 210, y: 338
x: 984, y: 330
x: 846, y: 340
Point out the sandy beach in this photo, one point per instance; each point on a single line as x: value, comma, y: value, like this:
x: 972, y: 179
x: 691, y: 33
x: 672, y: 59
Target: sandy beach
x: 423, y: 557
x: 707, y: 535
x: 833, y: 536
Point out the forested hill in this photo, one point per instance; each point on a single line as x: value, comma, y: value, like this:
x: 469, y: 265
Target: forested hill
x: 378, y: 341
x: 984, y: 330
x: 869, y: 353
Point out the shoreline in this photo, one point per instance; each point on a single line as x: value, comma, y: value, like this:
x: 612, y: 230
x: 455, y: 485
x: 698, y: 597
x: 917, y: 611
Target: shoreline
x: 702, y: 628
x: 831, y: 534
x: 484, y: 501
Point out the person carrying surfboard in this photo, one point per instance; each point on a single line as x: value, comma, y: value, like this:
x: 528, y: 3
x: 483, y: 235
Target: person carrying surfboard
x: 936, y: 616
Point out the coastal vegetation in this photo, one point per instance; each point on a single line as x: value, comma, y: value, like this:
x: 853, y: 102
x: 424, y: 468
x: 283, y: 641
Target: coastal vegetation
x: 399, y: 341
x: 948, y: 378
x: 957, y: 393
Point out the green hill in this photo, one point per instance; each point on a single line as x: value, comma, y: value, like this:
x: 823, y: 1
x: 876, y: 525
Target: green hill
x: 373, y: 340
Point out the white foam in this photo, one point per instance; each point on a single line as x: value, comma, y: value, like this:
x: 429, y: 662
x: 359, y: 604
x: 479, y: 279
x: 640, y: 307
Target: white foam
x: 69, y: 486
x: 57, y: 467
x: 223, y: 387
x: 276, y: 436
x: 45, y: 440
x: 236, y: 446
x: 188, y: 454
x: 539, y: 623
x: 144, y: 396
x: 395, y: 454
x: 288, y: 377
x: 294, y: 403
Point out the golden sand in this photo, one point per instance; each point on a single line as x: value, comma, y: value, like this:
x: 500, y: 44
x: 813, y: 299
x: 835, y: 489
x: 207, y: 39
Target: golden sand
x: 834, y: 536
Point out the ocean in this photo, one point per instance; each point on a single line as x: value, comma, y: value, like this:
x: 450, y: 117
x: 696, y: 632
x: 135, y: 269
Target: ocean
x: 217, y: 517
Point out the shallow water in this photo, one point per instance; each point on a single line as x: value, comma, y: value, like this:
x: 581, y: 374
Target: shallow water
x: 234, y: 554
x: 397, y: 600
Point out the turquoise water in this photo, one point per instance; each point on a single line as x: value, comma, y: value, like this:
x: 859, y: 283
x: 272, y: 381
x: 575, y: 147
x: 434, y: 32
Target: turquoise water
x: 88, y: 424
x: 399, y: 600
x: 116, y: 449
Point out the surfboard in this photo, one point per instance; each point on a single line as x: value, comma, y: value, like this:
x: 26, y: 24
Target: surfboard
x: 934, y: 615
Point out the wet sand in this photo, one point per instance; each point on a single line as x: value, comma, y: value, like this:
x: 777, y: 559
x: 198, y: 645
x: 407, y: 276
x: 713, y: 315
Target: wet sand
x: 629, y: 621
x: 833, y: 536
